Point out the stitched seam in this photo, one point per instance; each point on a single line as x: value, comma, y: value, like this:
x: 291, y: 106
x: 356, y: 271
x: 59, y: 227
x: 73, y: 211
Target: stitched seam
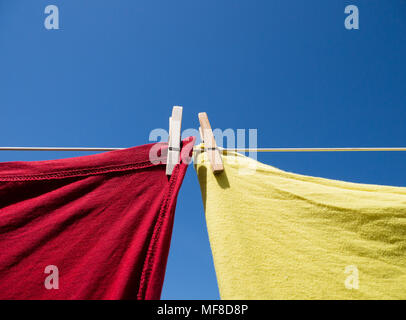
x: 149, y: 261
x: 75, y: 172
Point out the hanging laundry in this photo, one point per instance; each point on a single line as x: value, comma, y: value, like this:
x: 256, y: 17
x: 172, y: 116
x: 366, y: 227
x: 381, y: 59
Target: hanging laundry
x: 92, y: 227
x: 279, y: 235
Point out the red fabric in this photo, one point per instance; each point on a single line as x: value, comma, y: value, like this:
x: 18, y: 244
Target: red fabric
x: 105, y: 221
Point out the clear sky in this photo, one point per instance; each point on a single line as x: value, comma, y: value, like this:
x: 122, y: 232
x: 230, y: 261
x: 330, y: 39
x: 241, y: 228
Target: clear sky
x: 288, y: 68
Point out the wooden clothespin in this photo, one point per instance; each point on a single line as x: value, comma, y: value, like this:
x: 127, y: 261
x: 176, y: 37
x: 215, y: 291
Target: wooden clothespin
x: 210, y: 143
x: 175, y: 125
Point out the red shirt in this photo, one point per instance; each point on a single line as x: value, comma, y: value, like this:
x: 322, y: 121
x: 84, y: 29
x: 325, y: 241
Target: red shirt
x: 91, y: 227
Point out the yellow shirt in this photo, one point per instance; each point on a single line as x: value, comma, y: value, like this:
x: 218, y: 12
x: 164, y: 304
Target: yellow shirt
x: 279, y: 235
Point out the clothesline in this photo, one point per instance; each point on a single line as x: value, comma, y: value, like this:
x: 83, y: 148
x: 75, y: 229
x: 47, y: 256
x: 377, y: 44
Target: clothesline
x: 311, y: 149
x: 225, y: 149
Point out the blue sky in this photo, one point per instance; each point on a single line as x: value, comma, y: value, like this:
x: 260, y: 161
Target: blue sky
x: 290, y: 69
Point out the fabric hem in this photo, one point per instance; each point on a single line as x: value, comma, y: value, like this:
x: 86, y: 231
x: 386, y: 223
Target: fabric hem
x: 146, y: 270
x: 165, y: 209
x: 77, y: 173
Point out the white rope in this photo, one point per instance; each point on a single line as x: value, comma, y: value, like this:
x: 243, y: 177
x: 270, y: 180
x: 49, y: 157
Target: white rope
x: 312, y: 149
x: 199, y: 148
x: 56, y: 149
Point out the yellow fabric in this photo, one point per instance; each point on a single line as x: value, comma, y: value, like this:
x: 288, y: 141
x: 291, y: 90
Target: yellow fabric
x: 279, y: 235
